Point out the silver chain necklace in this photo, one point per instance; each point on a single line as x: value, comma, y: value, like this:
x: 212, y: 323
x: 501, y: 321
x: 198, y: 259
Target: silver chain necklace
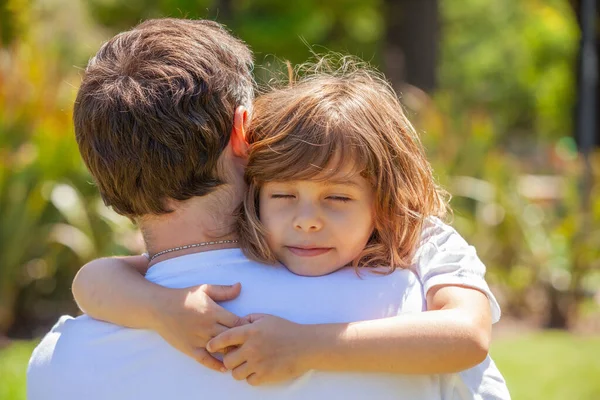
x: 188, y: 246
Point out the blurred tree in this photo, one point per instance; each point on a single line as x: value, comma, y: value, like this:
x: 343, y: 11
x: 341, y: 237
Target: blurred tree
x: 13, y: 20
x: 411, y: 42
x: 587, y: 133
x: 583, y: 8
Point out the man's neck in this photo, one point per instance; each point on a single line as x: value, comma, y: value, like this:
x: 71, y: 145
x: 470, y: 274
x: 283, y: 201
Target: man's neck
x: 198, y: 220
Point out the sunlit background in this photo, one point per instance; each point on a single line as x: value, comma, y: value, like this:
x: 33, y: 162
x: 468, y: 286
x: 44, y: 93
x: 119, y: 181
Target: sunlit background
x: 495, y: 87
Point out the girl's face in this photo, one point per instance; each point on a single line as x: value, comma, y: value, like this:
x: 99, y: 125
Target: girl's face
x: 316, y: 227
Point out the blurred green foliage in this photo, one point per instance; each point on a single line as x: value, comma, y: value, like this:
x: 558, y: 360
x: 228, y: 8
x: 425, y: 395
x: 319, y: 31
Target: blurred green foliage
x: 270, y: 27
x: 513, y: 58
x: 502, y: 116
x: 50, y: 217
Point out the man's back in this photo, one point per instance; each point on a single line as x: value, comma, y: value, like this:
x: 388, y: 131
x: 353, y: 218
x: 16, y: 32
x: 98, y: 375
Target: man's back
x: 84, y: 358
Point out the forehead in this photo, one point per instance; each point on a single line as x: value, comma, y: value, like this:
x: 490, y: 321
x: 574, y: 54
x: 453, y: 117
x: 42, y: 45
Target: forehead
x: 335, y: 175
x: 340, y: 165
x: 338, y: 171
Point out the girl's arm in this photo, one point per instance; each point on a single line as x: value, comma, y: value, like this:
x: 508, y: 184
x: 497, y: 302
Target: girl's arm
x: 115, y: 290
x: 102, y: 284
x: 452, y: 337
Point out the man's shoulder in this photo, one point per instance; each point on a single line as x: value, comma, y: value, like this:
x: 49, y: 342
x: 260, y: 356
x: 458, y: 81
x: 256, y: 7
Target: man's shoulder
x: 86, y: 358
x: 66, y: 341
x: 49, y: 361
x: 71, y: 358
x: 42, y: 354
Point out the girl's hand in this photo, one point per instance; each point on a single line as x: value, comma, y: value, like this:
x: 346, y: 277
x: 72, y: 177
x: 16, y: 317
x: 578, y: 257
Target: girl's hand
x: 188, y: 318
x: 267, y: 349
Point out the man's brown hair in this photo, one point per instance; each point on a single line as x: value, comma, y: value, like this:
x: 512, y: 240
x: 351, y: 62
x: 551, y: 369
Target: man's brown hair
x: 331, y: 116
x: 155, y: 111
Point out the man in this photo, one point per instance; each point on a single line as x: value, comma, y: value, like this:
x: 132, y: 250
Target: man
x: 160, y: 120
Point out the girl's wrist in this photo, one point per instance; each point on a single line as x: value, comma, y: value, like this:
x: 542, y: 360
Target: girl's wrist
x: 315, y: 346
x: 325, y: 346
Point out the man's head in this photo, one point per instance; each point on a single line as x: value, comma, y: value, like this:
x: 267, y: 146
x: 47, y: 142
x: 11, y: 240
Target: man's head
x: 155, y: 111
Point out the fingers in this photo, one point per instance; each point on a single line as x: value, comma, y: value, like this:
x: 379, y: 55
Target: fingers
x: 228, y: 319
x: 214, y: 332
x: 251, y: 318
x: 231, y: 337
x: 244, y: 371
x: 226, y: 350
x: 204, y: 358
x: 222, y: 292
x: 254, y: 380
x: 241, y: 372
x: 231, y: 320
x: 244, y: 321
x: 233, y: 358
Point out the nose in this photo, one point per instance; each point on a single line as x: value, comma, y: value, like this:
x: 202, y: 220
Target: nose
x: 307, y: 219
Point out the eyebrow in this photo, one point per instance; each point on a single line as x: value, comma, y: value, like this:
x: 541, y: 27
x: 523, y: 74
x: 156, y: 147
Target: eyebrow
x: 339, y: 181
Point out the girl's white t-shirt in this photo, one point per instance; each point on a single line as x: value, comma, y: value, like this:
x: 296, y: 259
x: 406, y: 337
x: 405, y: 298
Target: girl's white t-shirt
x: 445, y: 258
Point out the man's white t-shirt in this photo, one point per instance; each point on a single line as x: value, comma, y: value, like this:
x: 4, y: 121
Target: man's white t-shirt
x: 82, y: 358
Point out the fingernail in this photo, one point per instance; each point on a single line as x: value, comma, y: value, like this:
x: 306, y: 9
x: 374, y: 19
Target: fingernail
x: 223, y: 369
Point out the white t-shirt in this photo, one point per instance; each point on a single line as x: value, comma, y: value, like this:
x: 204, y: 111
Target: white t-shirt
x: 82, y: 358
x: 445, y: 258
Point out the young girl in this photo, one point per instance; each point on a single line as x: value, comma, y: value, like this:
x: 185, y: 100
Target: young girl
x: 337, y: 178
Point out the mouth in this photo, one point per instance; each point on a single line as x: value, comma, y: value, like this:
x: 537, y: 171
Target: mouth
x: 308, y: 251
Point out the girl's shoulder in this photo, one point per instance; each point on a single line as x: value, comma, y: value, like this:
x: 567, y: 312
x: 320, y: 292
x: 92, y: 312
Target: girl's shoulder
x: 440, y: 246
x: 437, y: 233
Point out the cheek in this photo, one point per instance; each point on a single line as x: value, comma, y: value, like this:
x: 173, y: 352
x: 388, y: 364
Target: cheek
x: 356, y: 221
x: 264, y: 215
x: 368, y: 224
x: 364, y: 222
x: 272, y: 218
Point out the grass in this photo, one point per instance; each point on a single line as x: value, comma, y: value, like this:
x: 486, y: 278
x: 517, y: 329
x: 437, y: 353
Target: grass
x: 550, y: 365
x: 544, y: 365
x: 13, y: 366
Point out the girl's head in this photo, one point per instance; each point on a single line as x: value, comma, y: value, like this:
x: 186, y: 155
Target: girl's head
x: 336, y: 176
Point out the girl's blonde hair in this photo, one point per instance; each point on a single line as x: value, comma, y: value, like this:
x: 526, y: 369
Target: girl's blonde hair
x: 330, y: 116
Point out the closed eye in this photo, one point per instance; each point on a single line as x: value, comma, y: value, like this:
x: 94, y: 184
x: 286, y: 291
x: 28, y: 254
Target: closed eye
x: 282, y: 196
x: 339, y: 198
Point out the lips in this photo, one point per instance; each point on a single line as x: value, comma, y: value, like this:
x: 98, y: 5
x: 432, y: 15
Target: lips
x: 308, y: 251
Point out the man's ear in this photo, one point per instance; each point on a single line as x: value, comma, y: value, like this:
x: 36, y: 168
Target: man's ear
x: 238, y: 140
